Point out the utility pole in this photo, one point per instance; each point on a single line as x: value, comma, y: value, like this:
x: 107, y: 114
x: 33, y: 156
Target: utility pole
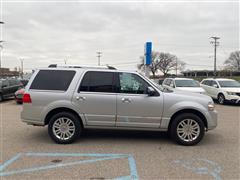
x: 1, y: 47
x: 215, y: 43
x: 99, y: 55
x: 176, y: 66
x: 21, y: 67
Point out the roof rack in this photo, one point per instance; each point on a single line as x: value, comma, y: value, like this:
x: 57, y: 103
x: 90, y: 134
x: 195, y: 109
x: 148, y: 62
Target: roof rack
x: 78, y: 66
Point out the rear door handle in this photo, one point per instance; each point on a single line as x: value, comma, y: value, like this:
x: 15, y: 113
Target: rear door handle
x: 126, y: 100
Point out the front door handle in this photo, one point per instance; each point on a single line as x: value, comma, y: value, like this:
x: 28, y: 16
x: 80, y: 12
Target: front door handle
x: 126, y: 100
x: 81, y: 98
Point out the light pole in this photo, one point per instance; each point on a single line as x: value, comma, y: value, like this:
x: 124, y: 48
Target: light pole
x: 1, y: 47
x: 21, y: 59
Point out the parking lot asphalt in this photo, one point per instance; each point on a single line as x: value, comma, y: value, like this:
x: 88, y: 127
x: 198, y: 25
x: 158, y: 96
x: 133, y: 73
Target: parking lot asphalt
x: 27, y: 152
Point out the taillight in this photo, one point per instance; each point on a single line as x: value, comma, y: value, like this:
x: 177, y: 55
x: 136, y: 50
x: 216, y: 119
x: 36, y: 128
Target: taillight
x: 27, y: 98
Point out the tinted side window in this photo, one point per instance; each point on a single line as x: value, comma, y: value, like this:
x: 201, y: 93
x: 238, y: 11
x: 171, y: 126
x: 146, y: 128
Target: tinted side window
x: 85, y: 82
x: 204, y: 82
x: 98, y: 82
x: 207, y: 82
x: 214, y: 83
x: 52, y: 80
x: 132, y: 84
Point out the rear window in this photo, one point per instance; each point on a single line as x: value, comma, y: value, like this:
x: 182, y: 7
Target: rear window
x: 52, y: 80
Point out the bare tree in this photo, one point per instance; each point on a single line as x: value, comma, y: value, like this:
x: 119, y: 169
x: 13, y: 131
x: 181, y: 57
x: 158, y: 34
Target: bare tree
x: 233, y: 62
x: 164, y: 62
x: 153, y: 66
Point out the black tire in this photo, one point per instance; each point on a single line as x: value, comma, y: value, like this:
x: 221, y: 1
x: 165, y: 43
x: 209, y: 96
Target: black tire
x: 1, y: 97
x: 221, y: 99
x: 75, y: 121
x: 184, y: 117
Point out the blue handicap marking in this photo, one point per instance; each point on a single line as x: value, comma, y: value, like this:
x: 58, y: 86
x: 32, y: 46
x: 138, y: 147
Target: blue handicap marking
x: 94, y: 158
x: 201, y: 166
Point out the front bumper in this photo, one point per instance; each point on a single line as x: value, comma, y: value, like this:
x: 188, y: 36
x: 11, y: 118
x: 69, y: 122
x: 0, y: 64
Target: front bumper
x: 212, y: 117
x: 233, y: 98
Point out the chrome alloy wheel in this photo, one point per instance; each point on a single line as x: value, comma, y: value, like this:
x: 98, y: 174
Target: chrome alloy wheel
x: 221, y: 99
x: 63, y: 128
x: 188, y: 130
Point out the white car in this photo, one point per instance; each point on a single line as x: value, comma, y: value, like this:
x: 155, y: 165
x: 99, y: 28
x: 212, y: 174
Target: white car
x: 222, y: 89
x: 184, y: 84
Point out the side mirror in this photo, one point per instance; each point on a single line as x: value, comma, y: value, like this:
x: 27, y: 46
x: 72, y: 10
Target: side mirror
x: 150, y: 91
x: 215, y: 85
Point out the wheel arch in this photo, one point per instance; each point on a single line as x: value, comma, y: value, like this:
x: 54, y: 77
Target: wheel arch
x: 61, y: 109
x: 220, y: 93
x: 193, y: 111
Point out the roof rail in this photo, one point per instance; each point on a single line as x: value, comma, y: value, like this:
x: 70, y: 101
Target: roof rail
x: 79, y: 66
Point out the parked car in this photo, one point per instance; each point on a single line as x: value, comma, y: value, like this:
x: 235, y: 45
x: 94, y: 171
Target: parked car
x: 185, y: 84
x: 24, y: 82
x: 69, y: 100
x: 222, y: 89
x: 19, y: 96
x: 8, y: 87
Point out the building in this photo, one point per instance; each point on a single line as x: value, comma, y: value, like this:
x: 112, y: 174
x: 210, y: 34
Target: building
x: 6, y: 72
x: 210, y: 73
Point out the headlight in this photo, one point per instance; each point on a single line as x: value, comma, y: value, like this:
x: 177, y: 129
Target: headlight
x: 231, y: 93
x: 211, y: 106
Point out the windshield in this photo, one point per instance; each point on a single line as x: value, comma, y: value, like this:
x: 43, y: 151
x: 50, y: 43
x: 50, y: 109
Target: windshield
x: 187, y: 83
x: 229, y: 83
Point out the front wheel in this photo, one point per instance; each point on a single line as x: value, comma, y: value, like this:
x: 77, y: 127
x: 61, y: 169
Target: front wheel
x: 64, y: 127
x: 187, y: 129
x: 221, y: 99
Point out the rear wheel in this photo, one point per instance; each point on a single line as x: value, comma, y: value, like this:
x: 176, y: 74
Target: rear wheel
x: 64, y: 127
x: 221, y: 99
x: 187, y: 129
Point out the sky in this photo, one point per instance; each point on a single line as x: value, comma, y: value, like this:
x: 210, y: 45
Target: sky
x: 48, y: 32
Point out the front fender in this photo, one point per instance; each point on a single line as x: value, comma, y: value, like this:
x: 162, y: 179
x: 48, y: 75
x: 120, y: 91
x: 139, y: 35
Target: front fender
x: 183, y: 105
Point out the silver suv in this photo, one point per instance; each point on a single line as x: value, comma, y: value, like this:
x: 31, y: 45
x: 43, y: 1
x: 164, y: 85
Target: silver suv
x: 70, y: 99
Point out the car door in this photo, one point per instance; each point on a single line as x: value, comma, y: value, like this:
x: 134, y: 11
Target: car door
x: 96, y: 98
x: 13, y: 86
x: 214, y: 89
x: 135, y: 108
x: 6, y: 90
x: 206, y: 86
